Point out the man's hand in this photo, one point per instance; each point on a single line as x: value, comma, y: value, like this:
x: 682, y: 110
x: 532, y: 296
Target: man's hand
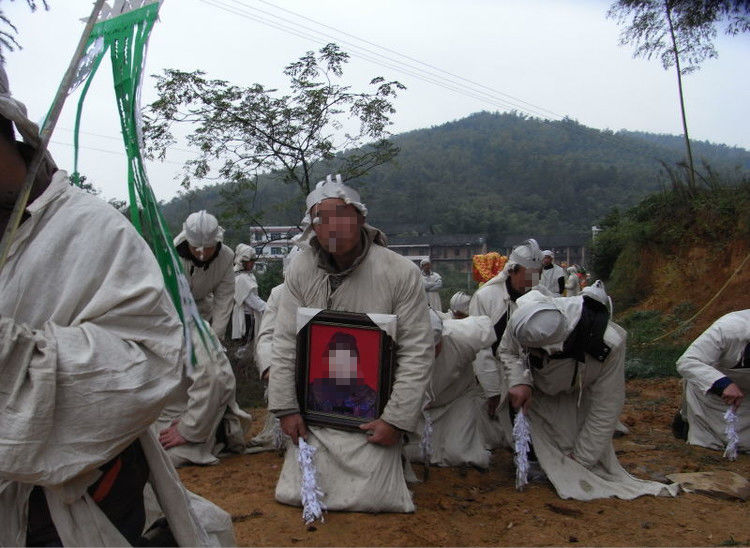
x: 492, y: 403
x: 732, y: 395
x: 379, y: 431
x: 171, y: 437
x: 264, y: 376
x: 294, y: 427
x: 520, y: 396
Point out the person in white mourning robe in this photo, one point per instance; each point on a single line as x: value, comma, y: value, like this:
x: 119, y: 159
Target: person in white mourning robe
x: 716, y: 373
x: 564, y: 360
x: 572, y: 282
x: 271, y: 438
x: 203, y: 419
x: 248, y: 306
x: 92, y: 349
x: 432, y: 282
x: 348, y: 267
x: 496, y: 299
x: 208, y: 265
x: 553, y: 275
x: 451, y: 430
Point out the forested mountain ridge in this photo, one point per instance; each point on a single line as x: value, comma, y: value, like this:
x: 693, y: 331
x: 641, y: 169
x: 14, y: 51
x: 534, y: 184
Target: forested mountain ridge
x: 498, y: 173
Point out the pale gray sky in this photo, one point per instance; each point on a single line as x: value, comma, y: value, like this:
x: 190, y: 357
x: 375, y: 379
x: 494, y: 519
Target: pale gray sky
x: 560, y: 56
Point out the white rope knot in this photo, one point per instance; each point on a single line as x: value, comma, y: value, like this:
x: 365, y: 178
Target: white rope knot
x: 278, y: 435
x: 521, y: 441
x: 730, y: 418
x: 426, y: 443
x: 310, y: 495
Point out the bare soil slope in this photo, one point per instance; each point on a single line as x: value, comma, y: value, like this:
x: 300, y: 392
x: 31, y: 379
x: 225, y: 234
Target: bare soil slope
x: 695, y: 278
x: 458, y: 507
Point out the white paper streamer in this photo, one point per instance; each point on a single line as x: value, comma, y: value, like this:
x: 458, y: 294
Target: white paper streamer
x: 310, y: 494
x: 521, y: 441
x: 278, y: 436
x: 730, y: 417
x: 426, y: 443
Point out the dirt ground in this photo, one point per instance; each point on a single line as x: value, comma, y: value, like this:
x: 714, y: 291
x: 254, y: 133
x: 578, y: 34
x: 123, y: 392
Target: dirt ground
x: 460, y: 507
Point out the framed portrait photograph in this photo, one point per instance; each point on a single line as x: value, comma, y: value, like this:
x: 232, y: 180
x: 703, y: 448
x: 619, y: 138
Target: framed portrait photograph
x: 345, y: 365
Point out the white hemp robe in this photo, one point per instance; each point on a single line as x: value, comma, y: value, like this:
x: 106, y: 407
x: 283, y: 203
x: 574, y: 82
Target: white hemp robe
x: 213, y: 287
x: 205, y: 404
x: 713, y: 355
x: 432, y: 283
x: 352, y: 473
x: 492, y: 300
x: 574, y: 410
x: 453, y: 401
x: 270, y: 438
x: 245, y: 285
x: 550, y: 278
x: 92, y: 349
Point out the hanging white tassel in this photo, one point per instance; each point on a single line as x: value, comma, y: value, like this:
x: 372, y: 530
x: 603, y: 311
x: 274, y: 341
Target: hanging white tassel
x: 730, y: 417
x: 278, y: 436
x: 521, y: 441
x: 310, y: 494
x: 426, y: 443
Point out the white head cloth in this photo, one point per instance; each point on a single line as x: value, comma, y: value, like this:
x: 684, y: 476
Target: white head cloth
x: 242, y: 254
x: 572, y: 270
x: 543, y: 321
x: 527, y: 254
x: 436, y: 323
x: 597, y: 292
x: 201, y: 230
x: 548, y: 253
x: 425, y: 261
x: 460, y: 303
x: 334, y: 189
x: 15, y: 111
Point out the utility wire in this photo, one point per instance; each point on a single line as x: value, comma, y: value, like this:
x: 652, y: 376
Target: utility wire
x: 107, y: 151
x: 427, y: 76
x: 374, y: 57
x: 554, y: 114
x: 119, y: 139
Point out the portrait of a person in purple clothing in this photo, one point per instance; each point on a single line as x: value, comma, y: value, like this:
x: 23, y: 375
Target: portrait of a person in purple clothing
x: 344, y: 390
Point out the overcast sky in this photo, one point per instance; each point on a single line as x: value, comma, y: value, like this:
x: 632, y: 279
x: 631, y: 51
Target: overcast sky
x: 549, y: 58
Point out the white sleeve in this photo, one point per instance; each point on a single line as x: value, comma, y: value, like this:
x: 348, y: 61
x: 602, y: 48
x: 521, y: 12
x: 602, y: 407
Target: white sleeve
x: 255, y: 302
x: 697, y: 364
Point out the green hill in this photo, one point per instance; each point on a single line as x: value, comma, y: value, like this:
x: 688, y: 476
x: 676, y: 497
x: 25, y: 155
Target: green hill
x: 496, y: 173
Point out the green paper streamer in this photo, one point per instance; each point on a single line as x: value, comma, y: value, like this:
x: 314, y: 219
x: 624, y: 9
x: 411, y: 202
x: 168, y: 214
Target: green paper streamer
x: 126, y: 37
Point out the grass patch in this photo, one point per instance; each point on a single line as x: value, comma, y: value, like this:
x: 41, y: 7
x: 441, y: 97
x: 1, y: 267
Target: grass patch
x: 646, y: 358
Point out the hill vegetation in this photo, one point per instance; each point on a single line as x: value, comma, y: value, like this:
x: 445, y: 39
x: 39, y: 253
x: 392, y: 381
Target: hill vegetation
x: 675, y: 263
x: 495, y: 173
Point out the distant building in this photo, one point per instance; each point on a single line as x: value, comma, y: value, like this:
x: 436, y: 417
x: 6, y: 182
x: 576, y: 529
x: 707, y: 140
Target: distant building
x: 569, y: 247
x: 446, y: 251
x: 272, y: 242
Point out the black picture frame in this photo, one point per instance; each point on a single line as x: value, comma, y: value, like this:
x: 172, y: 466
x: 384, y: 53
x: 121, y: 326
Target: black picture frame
x: 309, y: 363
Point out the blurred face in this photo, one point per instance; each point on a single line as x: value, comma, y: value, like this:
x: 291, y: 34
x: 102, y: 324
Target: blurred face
x: 203, y: 253
x: 524, y: 279
x: 337, y: 225
x: 547, y: 260
x: 427, y: 268
x: 12, y: 169
x: 342, y: 365
x: 248, y: 265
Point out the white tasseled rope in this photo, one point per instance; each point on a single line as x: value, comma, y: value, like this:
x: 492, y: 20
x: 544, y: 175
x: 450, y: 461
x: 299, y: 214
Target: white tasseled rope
x: 426, y: 443
x: 521, y: 441
x: 730, y: 417
x: 278, y: 436
x: 310, y: 494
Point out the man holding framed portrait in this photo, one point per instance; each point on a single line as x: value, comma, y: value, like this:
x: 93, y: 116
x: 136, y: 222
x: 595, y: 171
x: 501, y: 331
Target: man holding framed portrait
x: 374, y: 315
